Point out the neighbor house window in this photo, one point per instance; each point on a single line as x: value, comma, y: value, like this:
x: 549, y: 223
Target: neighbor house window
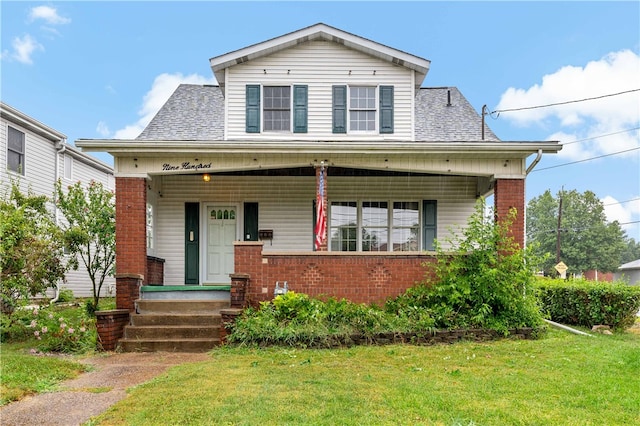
x: 368, y: 108
x: 68, y: 167
x: 378, y: 226
x: 272, y: 109
x: 15, y: 151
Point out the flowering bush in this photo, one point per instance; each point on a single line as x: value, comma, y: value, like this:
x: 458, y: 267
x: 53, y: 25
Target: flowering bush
x: 71, y: 332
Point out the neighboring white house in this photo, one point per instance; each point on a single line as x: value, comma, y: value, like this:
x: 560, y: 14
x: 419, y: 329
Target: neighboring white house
x: 629, y: 272
x: 36, y: 156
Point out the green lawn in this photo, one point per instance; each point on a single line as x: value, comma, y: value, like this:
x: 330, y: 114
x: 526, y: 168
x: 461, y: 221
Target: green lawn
x: 22, y: 373
x: 562, y: 379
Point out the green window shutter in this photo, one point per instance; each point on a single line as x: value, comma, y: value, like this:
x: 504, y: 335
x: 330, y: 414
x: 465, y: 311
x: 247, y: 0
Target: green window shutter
x: 386, y: 109
x: 429, y: 224
x: 251, y: 221
x: 253, y: 108
x: 339, y: 109
x: 300, y: 109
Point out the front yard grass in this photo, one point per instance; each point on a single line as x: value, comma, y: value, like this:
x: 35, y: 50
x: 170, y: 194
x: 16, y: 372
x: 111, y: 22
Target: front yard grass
x: 23, y: 373
x: 560, y: 379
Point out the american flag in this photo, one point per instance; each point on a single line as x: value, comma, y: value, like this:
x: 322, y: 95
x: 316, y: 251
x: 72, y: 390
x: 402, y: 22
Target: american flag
x: 321, y: 220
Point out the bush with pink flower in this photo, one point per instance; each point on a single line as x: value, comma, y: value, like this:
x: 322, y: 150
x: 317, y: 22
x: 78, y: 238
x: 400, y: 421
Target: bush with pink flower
x: 69, y: 331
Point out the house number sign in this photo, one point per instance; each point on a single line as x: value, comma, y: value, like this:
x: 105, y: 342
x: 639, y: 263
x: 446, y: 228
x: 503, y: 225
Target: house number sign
x: 187, y: 165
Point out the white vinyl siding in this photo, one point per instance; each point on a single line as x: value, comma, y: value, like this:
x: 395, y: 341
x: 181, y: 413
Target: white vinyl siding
x: 39, y: 158
x: 286, y: 206
x: 320, y: 65
x: 40, y: 176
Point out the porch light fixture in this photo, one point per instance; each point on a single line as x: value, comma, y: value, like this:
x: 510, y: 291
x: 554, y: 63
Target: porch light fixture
x: 206, y: 177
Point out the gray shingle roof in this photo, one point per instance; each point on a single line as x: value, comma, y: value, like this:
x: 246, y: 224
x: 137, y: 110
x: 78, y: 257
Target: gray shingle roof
x: 195, y: 112
x: 439, y: 122
x: 192, y: 113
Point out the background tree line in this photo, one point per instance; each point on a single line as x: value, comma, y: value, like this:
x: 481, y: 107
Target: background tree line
x: 572, y: 227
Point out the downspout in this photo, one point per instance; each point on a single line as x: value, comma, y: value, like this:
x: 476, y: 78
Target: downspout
x: 61, y: 147
x: 567, y: 328
x: 535, y: 162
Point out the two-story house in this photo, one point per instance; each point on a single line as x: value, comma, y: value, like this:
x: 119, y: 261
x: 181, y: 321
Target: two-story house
x: 319, y: 159
x: 35, y: 156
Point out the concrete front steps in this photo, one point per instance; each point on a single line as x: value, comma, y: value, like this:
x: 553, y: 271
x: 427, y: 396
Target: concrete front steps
x: 180, y: 325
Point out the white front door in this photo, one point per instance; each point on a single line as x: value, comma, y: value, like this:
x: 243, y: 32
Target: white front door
x: 221, y: 232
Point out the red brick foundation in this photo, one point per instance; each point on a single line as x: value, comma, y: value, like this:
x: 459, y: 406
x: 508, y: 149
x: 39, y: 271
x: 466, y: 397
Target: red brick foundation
x: 110, y: 325
x: 239, y: 283
x: 155, y: 271
x: 128, y: 290
x: 508, y: 194
x: 358, y: 277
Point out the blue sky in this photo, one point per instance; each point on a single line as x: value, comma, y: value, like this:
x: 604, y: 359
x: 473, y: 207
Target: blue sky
x: 102, y: 69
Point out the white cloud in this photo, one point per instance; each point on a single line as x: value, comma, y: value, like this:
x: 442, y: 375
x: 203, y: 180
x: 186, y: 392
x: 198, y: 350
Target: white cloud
x: 103, y: 129
x: 617, y: 72
x: 23, y: 49
x: 163, y: 86
x: 623, y: 212
x: 48, y: 14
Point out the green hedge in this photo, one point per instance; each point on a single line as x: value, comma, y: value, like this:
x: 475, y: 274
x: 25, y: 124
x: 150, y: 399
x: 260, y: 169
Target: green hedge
x: 588, y: 303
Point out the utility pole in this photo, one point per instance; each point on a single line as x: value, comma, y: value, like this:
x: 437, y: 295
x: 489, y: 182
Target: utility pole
x: 558, y: 230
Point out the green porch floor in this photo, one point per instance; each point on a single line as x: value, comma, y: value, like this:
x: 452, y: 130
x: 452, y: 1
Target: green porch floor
x: 165, y: 288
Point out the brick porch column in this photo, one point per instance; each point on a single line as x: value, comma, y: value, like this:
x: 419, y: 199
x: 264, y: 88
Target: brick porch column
x: 131, y: 234
x: 507, y: 194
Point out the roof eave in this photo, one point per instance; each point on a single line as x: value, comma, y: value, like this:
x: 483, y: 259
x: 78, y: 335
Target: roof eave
x: 514, y: 149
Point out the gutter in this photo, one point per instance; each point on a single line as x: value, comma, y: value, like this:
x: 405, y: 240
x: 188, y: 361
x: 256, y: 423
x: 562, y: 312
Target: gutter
x: 535, y: 162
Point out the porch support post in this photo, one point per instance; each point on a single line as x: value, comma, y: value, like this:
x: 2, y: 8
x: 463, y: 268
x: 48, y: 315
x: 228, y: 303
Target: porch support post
x: 508, y: 194
x: 131, y: 237
x: 321, y: 191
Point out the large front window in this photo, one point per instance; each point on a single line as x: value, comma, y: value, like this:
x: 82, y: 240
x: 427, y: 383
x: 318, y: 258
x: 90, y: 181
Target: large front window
x: 277, y: 108
x: 374, y: 226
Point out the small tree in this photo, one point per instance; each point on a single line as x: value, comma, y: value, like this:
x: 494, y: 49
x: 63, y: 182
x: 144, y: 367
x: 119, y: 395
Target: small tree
x: 31, y: 248
x: 89, y: 231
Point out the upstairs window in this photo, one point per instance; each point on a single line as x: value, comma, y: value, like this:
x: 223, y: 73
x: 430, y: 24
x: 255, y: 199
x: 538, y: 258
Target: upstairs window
x: 362, y: 109
x: 15, y: 151
x: 277, y: 108
x: 272, y: 109
x: 368, y: 108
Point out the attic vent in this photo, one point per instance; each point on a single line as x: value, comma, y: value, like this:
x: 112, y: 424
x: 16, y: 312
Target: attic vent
x: 338, y: 40
x: 398, y: 61
x: 242, y: 59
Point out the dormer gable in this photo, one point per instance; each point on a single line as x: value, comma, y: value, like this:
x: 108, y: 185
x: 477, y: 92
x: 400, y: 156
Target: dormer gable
x: 319, y: 32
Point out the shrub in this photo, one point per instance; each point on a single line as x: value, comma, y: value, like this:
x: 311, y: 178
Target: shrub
x: 295, y: 319
x: 587, y: 303
x: 65, y: 295
x: 484, y: 281
x: 67, y: 331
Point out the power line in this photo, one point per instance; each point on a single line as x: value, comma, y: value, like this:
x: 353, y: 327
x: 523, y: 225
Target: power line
x: 601, y: 136
x: 621, y: 202
x: 587, y: 159
x: 498, y: 111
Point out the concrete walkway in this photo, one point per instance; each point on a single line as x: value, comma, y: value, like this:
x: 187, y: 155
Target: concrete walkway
x: 79, y: 399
